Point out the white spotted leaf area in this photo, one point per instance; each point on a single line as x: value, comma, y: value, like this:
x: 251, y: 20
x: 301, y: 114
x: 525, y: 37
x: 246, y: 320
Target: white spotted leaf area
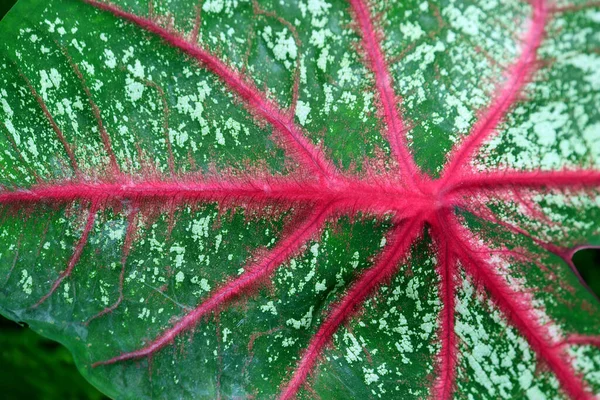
x: 313, y: 199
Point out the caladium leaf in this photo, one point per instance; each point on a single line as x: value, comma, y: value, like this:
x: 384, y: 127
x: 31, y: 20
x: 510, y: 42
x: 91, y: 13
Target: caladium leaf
x: 322, y: 198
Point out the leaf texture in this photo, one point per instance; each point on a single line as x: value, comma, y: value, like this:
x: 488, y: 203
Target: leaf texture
x: 305, y: 199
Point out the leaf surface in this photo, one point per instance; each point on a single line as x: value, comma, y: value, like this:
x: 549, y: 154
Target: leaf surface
x: 321, y: 199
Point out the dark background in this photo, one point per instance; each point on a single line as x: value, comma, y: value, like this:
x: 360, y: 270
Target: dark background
x: 32, y: 367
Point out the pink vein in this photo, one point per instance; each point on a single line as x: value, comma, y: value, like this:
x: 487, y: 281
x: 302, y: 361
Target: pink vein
x: 127, y: 243
x: 517, y: 77
x: 518, y: 309
x: 351, y: 196
x: 445, y: 383
x: 389, y: 101
x: 306, y: 153
x: 76, y: 253
x: 54, y: 125
x: 399, y: 243
x: 578, y: 339
x: 97, y: 115
x: 527, y: 179
x: 242, y: 285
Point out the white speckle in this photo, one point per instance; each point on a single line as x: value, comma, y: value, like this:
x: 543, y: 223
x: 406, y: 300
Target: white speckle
x: 66, y: 289
x: 535, y: 393
x: 204, y: 285
x: 55, y: 77
x: 219, y: 136
x: 213, y: 6
x: 117, y: 233
x: 525, y: 379
x: 317, y: 7
x: 218, y: 240
x: 370, y: 375
x: 200, y: 228
x: 111, y: 60
x: 26, y: 282
x: 328, y: 98
x: 345, y: 73
x: 593, y: 15
x: 353, y: 349
x: 467, y: 21
x: 89, y: 68
x: 127, y: 54
x: 144, y: 314
x: 304, y: 322
x: 134, y: 89
x: 269, y: 307
x: 314, y: 249
x: 6, y: 107
x: 192, y: 104
x: 226, y: 333
x: 45, y: 83
x: 354, y: 262
x: 180, y: 277
x: 321, y: 286
x: 285, y: 47
x: 9, y: 126
x: 78, y: 45
x: 550, y: 119
x: 302, y: 110
x: 32, y: 147
x: 103, y: 37
x: 179, y: 254
x: 323, y: 59
x: 411, y: 31
x: 590, y: 65
x: 178, y: 138
x: 425, y: 54
x: 137, y: 69
x: 50, y: 26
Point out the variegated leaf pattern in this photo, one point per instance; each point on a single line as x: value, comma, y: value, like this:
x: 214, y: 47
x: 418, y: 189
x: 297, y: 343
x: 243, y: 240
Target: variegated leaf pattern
x: 305, y: 198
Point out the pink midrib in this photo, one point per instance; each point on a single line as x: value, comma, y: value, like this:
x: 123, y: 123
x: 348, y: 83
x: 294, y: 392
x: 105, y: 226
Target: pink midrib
x: 444, y: 385
x: 349, y: 195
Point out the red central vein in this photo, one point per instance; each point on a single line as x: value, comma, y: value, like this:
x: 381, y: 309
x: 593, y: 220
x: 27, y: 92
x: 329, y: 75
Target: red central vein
x: 348, y: 195
x: 527, y: 179
x: 517, y: 77
x: 306, y: 153
x: 447, y: 357
x: 399, y: 243
x: 390, y: 102
x: 518, y: 309
x: 253, y: 275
